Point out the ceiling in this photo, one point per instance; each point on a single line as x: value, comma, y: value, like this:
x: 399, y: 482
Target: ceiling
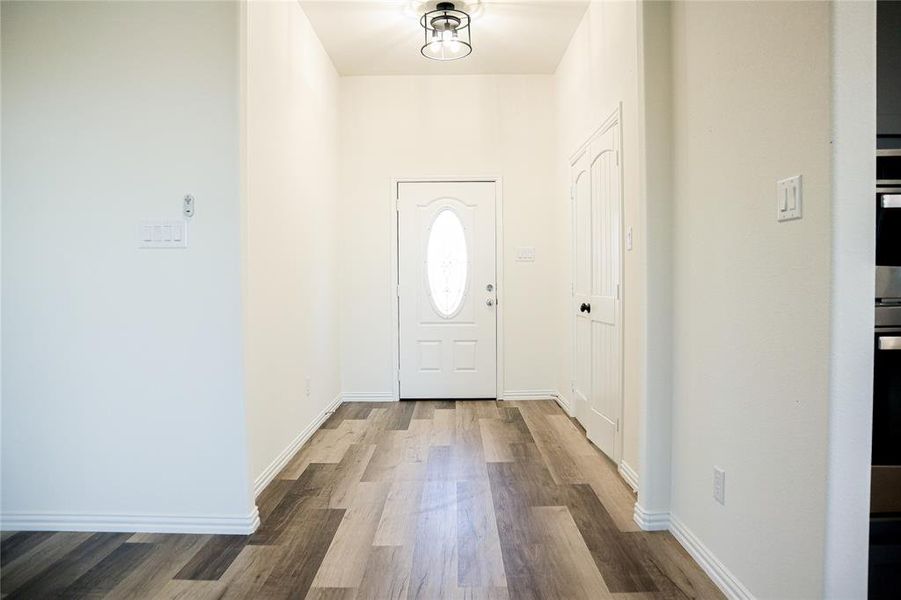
x: 383, y: 37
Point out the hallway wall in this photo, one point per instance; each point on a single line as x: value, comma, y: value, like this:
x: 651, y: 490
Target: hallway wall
x: 752, y: 310
x: 420, y: 126
x: 122, y: 376
x: 599, y: 71
x: 290, y: 229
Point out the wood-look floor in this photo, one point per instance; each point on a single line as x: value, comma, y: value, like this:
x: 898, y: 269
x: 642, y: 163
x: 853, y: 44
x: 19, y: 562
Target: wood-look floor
x: 428, y: 499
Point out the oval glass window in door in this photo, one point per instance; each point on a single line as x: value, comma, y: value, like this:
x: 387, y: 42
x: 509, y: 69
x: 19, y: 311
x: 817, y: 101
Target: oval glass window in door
x: 447, y: 263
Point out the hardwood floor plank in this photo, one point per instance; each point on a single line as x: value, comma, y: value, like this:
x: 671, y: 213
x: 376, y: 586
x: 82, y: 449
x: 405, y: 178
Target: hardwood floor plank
x: 70, y: 567
x: 479, y: 560
x: 332, y: 594
x: 304, y: 491
x: 619, y: 564
x: 293, y: 574
x: 245, y: 577
x: 569, y: 568
x: 189, y: 589
x: 400, y: 415
x: 103, y: 577
x: 212, y: 560
x: 166, y: 559
x: 19, y: 571
x: 397, y: 525
x: 672, y: 568
x: 345, y: 561
x: 387, y: 574
x: 434, y: 571
x: 19, y: 543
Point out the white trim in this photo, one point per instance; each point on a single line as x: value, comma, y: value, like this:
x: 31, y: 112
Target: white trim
x: 269, y: 473
x: 136, y: 523
x: 564, y: 403
x: 716, y: 570
x: 529, y: 395
x: 629, y: 475
x: 651, y: 521
x: 369, y: 397
x: 393, y: 241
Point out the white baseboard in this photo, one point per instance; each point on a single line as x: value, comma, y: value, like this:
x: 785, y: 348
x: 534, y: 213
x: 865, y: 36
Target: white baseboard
x: 716, y: 570
x: 136, y: 523
x: 629, y: 475
x: 368, y: 397
x: 269, y: 473
x: 515, y: 395
x: 564, y: 403
x: 651, y: 520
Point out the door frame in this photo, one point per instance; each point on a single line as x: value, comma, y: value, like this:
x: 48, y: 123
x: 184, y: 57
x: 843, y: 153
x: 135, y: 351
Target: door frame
x: 612, y: 119
x: 394, y: 283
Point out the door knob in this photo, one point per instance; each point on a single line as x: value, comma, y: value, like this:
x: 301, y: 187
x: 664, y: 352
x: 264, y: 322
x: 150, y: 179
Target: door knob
x: 489, y: 302
x: 586, y: 308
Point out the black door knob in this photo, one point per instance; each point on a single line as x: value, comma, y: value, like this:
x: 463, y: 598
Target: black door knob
x: 585, y: 308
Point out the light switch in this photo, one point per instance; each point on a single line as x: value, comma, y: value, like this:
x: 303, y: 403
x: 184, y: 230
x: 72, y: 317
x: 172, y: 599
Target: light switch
x: 525, y: 254
x: 788, y: 199
x: 163, y: 234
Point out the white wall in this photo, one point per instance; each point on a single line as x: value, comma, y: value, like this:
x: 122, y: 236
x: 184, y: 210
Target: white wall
x: 851, y: 368
x: 599, y: 71
x: 751, y: 93
x: 290, y: 225
x: 497, y: 125
x: 122, y: 371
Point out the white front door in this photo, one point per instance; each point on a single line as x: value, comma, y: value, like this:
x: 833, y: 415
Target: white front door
x: 447, y: 289
x: 597, y: 302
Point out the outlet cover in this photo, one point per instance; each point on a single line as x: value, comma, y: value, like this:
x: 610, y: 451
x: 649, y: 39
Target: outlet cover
x: 719, y: 485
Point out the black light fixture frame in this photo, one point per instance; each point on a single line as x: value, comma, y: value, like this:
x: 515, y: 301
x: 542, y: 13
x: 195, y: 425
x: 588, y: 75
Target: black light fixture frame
x: 431, y: 25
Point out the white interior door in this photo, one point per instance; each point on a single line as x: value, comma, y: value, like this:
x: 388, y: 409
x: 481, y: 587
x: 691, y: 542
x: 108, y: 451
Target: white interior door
x: 597, y: 302
x: 447, y: 290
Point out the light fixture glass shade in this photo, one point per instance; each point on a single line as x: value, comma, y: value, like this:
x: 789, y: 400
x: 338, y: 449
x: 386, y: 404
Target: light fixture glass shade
x: 447, y: 33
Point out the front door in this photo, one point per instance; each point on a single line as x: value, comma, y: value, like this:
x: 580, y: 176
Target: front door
x: 597, y: 302
x: 447, y: 291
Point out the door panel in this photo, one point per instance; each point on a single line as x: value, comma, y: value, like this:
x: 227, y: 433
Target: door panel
x: 446, y: 265
x: 597, y: 214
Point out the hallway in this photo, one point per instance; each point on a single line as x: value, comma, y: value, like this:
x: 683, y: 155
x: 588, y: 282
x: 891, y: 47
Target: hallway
x: 426, y: 499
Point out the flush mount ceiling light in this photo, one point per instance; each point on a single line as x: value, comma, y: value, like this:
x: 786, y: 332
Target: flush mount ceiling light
x: 448, y: 35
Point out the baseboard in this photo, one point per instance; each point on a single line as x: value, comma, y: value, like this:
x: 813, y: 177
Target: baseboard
x: 629, y: 475
x: 651, y: 520
x: 269, y: 473
x: 368, y: 397
x: 564, y: 403
x: 716, y: 570
x: 515, y: 395
x: 131, y: 523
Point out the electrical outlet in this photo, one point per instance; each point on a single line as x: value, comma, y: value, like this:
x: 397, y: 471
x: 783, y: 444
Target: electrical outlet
x: 719, y: 485
x: 309, y: 387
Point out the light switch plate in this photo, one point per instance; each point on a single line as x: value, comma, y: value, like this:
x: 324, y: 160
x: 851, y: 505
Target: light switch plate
x: 163, y: 234
x: 788, y: 199
x: 719, y: 485
x: 525, y: 254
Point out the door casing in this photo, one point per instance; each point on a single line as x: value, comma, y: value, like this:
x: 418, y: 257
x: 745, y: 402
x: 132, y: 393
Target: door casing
x: 613, y: 119
x: 394, y: 243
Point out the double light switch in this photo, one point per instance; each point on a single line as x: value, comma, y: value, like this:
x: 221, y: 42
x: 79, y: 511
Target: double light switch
x: 788, y: 199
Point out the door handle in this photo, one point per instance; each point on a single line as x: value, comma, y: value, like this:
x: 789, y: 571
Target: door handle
x: 586, y: 308
x: 489, y: 302
x: 890, y: 342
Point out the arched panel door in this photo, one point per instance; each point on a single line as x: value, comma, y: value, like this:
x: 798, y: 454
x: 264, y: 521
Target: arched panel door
x: 597, y: 290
